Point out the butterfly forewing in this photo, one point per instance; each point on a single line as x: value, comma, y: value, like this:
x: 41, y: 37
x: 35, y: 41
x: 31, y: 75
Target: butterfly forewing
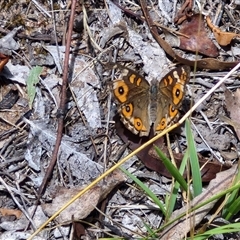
x: 132, y: 92
x: 172, y: 91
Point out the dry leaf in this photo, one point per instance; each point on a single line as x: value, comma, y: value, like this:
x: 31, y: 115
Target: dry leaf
x: 79, y: 209
x: 223, y: 38
x: 11, y: 212
x: 78, y: 230
x: 85, y: 95
x: 84, y: 205
x: 197, y: 39
x: 3, y: 61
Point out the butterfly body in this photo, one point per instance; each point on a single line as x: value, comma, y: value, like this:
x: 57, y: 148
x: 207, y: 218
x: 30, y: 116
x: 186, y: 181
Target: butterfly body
x: 142, y: 105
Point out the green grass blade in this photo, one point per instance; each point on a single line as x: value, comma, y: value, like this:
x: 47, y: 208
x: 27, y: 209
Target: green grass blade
x: 146, y: 189
x: 173, y: 197
x: 150, y: 231
x: 234, y: 208
x: 231, y: 208
x: 195, y: 168
x: 229, y: 228
x: 172, y: 169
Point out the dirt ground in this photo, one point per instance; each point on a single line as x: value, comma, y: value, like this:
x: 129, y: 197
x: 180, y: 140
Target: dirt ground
x: 124, y: 81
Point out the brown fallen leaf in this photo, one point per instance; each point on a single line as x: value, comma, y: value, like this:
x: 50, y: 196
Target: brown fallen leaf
x: 232, y: 101
x: 223, y: 38
x: 78, y: 230
x: 10, y: 212
x: 197, y: 40
x: 84, y: 205
x: 3, y: 61
x: 8, y: 100
x: 209, y: 169
x: 80, y: 209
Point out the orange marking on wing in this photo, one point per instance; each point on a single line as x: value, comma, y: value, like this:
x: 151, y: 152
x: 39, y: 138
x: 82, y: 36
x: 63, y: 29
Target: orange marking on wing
x: 177, y: 93
x: 172, y: 111
x: 132, y: 78
x: 127, y: 110
x: 170, y: 80
x: 138, y: 124
x: 165, y: 82
x: 162, y: 125
x: 120, y: 91
x: 139, y: 81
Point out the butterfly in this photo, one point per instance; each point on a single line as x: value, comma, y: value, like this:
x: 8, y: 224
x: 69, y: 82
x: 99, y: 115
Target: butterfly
x: 142, y: 105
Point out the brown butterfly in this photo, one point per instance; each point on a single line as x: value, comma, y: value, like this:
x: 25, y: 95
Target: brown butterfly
x: 143, y: 105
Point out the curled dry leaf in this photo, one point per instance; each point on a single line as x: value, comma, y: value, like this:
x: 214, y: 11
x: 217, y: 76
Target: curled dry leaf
x: 10, y: 212
x: 223, y: 38
x: 109, y: 33
x: 232, y: 102
x: 197, y: 39
x: 84, y: 205
x: 79, y: 209
x: 3, y: 61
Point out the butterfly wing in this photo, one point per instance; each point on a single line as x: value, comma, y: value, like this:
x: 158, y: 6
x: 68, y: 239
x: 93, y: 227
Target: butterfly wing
x: 170, y: 95
x: 131, y: 90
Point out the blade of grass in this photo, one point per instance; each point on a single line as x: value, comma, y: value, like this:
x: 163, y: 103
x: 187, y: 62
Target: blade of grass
x: 172, y: 169
x: 230, y: 208
x: 198, y: 206
x: 146, y: 189
x: 195, y: 168
x: 172, y: 199
x: 229, y: 228
x: 234, y: 208
x: 150, y: 231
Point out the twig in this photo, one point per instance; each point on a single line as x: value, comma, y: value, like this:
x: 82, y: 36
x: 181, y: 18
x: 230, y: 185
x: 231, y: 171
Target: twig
x: 41, y: 9
x: 55, y: 34
x: 61, y: 109
x: 205, y: 142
